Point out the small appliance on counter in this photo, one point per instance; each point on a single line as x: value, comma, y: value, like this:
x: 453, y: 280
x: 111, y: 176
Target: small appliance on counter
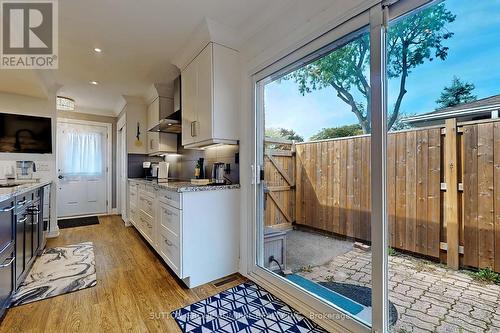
x: 154, y: 170
x: 146, y: 167
x: 163, y: 172
x: 25, y: 170
x: 219, y: 173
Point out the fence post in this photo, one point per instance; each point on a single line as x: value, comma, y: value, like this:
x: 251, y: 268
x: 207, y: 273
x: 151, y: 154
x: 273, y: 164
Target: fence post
x: 451, y: 202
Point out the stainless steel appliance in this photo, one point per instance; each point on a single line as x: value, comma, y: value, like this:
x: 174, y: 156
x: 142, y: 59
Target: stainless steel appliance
x: 154, y: 170
x: 218, y: 173
x: 163, y: 172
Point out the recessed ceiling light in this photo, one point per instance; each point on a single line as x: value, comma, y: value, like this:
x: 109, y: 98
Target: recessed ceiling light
x: 95, y: 83
x: 98, y: 50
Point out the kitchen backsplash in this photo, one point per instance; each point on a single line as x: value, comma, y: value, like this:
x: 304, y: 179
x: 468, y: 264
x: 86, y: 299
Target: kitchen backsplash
x: 182, y: 164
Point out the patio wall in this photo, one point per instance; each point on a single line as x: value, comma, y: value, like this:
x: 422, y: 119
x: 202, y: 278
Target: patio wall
x: 332, y: 190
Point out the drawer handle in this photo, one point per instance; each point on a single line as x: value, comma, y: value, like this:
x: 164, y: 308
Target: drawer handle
x: 169, y: 243
x: 9, y: 263
x: 20, y: 203
x: 23, y: 220
x: 5, y: 210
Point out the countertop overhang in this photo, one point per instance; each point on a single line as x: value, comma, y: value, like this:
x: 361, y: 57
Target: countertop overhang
x: 183, y: 186
x: 11, y: 192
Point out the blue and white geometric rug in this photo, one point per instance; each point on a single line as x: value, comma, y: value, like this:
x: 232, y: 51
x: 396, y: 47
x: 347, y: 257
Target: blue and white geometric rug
x: 245, y: 308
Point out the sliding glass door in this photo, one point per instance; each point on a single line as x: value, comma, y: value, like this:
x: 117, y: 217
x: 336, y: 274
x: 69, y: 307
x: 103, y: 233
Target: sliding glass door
x: 376, y: 170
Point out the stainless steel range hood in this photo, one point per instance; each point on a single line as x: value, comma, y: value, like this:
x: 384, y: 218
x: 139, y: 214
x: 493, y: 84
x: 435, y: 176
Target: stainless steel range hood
x: 170, y: 124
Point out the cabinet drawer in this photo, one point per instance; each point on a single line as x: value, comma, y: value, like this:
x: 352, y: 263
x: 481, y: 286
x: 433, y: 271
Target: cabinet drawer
x: 170, y: 198
x: 146, y: 224
x: 132, y: 195
x: 146, y: 203
x: 146, y: 188
x: 7, y: 260
x: 170, y: 218
x: 133, y: 214
x: 170, y: 250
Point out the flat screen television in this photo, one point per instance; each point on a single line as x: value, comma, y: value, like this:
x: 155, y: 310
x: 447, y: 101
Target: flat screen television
x: 25, y: 134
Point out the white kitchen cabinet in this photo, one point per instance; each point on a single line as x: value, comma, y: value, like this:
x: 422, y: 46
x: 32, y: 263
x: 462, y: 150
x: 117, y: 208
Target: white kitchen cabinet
x: 192, y: 233
x: 158, y: 142
x: 133, y: 203
x: 210, y: 98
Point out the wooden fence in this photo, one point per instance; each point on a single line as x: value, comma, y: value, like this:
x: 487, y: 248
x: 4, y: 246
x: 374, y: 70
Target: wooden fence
x: 443, y: 190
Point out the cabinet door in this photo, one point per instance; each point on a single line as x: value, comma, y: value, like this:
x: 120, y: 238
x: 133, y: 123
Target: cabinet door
x: 153, y: 142
x: 205, y: 93
x: 188, y: 92
x: 6, y: 276
x: 153, y: 113
x: 6, y: 223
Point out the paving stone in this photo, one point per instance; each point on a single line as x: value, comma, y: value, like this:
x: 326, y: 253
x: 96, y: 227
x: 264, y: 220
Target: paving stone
x: 421, y: 306
x: 416, y: 322
x: 437, y: 311
x: 482, y: 315
x: 466, y: 318
x: 448, y: 328
x: 415, y: 292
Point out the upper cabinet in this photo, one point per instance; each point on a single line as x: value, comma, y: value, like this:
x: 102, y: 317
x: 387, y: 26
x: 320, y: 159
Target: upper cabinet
x: 210, y: 98
x: 160, y: 143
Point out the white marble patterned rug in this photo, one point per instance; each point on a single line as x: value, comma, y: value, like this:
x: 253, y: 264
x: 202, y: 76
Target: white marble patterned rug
x: 58, y: 271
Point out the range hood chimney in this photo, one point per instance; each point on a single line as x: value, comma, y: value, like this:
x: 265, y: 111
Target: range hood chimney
x: 171, y: 121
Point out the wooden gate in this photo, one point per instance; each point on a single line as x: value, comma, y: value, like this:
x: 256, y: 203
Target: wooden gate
x: 279, y: 177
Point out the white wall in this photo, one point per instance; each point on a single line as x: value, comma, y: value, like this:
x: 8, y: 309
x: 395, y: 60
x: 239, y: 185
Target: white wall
x: 19, y: 104
x: 300, y: 23
x: 135, y: 111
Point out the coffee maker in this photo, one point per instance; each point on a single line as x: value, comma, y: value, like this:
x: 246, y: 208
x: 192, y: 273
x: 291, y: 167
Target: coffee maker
x: 218, y: 173
x: 147, y: 170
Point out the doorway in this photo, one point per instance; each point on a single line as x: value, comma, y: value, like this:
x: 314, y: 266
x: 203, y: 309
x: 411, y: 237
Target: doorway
x: 83, y: 160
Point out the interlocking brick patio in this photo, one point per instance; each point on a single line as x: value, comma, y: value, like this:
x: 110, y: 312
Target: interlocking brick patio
x: 428, y: 297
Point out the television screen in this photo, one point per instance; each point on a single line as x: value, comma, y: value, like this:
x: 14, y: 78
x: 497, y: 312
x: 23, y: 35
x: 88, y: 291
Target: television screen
x: 25, y: 134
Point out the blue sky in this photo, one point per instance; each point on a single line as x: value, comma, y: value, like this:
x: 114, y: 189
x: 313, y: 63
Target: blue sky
x: 474, y: 56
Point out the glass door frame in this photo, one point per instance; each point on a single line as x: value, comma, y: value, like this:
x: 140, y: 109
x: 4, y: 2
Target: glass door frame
x: 376, y: 19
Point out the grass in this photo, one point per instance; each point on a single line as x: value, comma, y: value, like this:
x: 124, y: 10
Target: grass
x: 486, y: 275
x: 307, y: 269
x: 391, y: 251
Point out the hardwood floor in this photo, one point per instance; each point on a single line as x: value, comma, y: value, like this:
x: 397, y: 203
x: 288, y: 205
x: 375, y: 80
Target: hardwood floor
x: 135, y: 292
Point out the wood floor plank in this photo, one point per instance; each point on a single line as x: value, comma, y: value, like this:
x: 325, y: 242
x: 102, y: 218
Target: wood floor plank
x: 135, y: 291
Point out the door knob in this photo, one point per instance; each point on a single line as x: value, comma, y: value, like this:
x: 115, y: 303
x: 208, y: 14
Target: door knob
x: 60, y: 177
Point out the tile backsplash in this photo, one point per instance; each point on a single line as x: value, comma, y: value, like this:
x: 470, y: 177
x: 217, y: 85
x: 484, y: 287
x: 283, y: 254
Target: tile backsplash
x: 225, y: 154
x: 183, y: 163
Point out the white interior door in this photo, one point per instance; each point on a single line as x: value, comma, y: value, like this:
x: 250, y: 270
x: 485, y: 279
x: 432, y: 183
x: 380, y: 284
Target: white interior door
x: 82, y: 169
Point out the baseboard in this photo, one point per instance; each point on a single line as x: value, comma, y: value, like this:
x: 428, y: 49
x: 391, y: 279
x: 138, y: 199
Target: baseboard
x: 53, y: 234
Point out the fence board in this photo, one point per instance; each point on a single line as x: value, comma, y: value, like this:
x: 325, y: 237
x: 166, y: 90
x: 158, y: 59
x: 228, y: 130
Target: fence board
x: 422, y: 169
x: 485, y: 192
x: 401, y: 191
x: 411, y: 190
x: 496, y: 193
x: 434, y: 193
x: 470, y: 196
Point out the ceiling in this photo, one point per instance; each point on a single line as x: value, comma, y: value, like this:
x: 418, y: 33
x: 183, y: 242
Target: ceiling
x: 138, y: 40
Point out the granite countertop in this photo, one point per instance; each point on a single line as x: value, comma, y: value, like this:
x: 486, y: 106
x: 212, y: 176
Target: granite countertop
x: 183, y: 185
x: 7, y: 193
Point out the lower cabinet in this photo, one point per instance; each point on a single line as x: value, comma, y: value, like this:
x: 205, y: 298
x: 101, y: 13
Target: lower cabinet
x: 7, y: 283
x: 21, y: 240
x: 195, y: 233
